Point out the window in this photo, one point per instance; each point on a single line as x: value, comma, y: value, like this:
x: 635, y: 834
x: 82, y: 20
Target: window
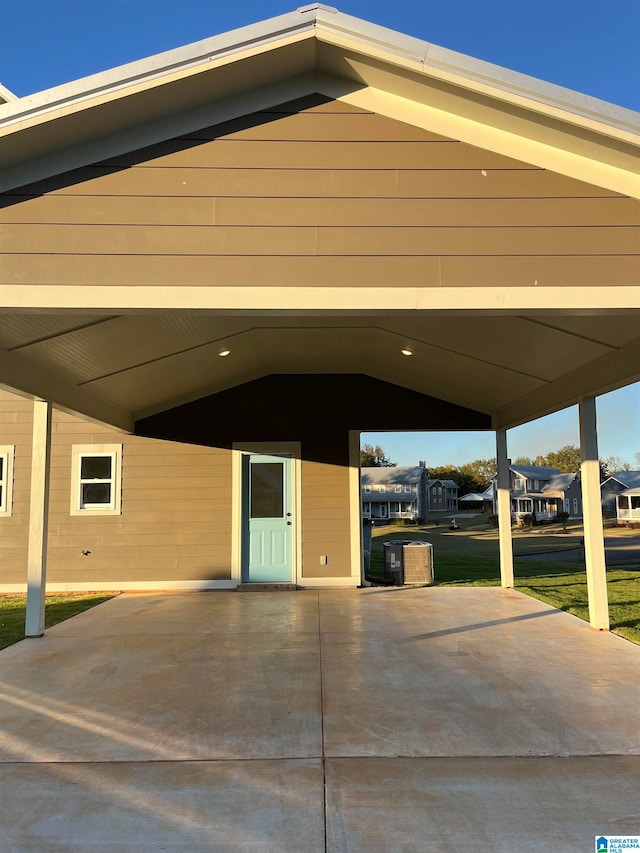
x: 367, y: 490
x: 439, y: 490
x: 398, y: 488
x: 382, y: 488
x: 434, y: 490
x: 366, y: 507
x: 518, y: 485
x: 95, y: 479
x: 407, y: 489
x: 536, y: 485
x: 6, y: 479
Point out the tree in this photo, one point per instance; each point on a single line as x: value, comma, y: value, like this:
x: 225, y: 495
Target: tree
x: 614, y: 464
x: 374, y: 457
x: 523, y: 460
x: 566, y: 460
x: 471, y: 477
x: 481, y: 471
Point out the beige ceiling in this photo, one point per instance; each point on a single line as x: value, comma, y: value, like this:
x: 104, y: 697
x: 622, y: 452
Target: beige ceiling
x: 495, y: 364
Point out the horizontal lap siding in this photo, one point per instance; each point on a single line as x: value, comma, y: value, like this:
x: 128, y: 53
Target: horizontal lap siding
x: 16, y: 419
x: 176, y: 508
x: 328, y: 196
x: 325, y: 520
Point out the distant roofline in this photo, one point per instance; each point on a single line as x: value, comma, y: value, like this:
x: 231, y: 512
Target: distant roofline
x: 326, y: 21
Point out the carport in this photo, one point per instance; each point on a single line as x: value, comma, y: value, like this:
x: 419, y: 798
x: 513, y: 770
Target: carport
x: 371, y: 194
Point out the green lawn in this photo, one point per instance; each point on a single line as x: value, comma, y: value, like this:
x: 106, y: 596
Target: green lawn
x: 469, y: 557
x: 57, y: 609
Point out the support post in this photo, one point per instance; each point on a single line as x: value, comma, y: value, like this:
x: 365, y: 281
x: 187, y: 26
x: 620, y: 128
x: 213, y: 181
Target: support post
x: 38, y: 518
x: 592, y: 516
x: 504, y: 509
x: 355, y: 510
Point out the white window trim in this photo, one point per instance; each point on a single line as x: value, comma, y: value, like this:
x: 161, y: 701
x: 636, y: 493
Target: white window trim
x: 78, y: 451
x: 367, y: 490
x: 398, y: 488
x: 7, y: 452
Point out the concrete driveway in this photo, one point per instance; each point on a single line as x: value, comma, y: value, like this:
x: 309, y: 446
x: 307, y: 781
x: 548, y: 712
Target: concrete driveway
x: 435, y: 719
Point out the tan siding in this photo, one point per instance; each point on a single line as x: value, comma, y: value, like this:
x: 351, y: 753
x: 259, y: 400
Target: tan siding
x: 328, y: 240
x: 269, y: 183
x: 15, y: 430
x: 292, y: 154
x: 322, y: 211
x: 325, y: 519
x: 159, y: 536
x: 345, y: 271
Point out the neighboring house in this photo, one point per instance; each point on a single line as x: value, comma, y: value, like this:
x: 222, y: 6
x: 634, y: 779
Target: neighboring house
x: 478, y: 501
x: 442, y: 495
x: 628, y: 508
x: 543, y: 491
x: 396, y: 492
x: 615, y: 485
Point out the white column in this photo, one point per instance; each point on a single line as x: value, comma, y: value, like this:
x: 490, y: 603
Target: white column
x: 355, y: 510
x: 592, y: 516
x: 38, y: 517
x: 504, y: 510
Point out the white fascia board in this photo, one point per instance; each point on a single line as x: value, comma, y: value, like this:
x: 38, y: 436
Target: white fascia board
x: 159, y: 65
x: 423, y: 56
x: 6, y: 96
x: 461, y: 69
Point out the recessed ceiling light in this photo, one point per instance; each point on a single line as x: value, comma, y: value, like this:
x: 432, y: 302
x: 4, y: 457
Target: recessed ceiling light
x: 224, y: 352
x: 406, y: 351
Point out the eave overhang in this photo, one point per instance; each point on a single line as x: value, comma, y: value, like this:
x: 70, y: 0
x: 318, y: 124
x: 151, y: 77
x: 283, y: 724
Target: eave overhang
x: 319, y: 49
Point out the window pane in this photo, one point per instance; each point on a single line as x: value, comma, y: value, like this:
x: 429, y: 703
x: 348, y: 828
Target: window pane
x: 267, y: 489
x: 96, y: 493
x: 1, y: 467
x: 95, y: 468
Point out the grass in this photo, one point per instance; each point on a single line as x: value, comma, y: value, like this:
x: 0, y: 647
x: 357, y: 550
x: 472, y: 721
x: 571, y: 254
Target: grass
x: 57, y: 609
x: 469, y: 557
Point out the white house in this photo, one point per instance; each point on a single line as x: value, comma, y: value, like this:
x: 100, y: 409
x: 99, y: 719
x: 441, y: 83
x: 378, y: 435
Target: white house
x: 617, y: 484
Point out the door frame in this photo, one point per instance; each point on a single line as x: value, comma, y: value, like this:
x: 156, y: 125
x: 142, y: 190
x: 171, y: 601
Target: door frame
x: 238, y: 450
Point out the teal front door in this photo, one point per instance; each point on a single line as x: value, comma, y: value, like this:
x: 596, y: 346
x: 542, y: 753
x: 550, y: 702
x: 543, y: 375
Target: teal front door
x: 267, y: 541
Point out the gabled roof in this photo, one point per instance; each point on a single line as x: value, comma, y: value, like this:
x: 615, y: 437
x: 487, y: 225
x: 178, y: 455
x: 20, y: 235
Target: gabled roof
x: 534, y: 472
x: 449, y: 484
x: 393, y: 475
x: 316, y: 48
x: 559, y: 482
x: 628, y: 479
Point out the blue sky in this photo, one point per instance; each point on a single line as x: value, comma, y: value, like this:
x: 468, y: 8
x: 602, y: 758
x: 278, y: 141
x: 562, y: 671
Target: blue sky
x: 592, y: 47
